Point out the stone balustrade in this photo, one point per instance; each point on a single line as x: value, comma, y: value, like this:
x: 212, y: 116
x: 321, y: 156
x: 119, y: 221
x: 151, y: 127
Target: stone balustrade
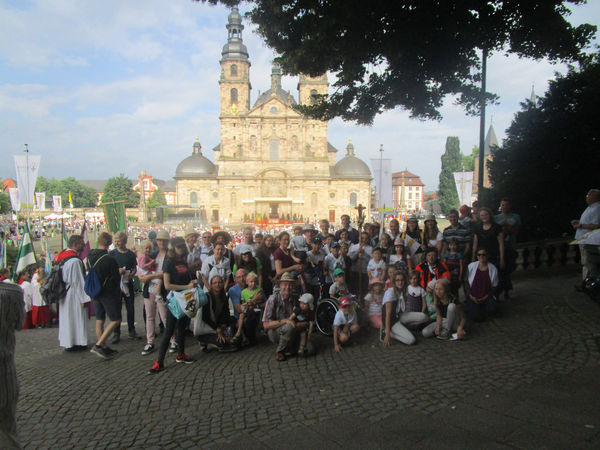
x: 546, y: 253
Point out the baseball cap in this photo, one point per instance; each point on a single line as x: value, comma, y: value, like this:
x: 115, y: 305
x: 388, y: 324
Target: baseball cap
x: 345, y: 301
x: 337, y: 272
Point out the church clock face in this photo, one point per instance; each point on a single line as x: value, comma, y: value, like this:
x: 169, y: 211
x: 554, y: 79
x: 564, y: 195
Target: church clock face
x: 234, y: 109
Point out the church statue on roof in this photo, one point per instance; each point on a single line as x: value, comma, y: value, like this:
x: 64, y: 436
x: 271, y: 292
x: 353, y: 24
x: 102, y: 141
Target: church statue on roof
x: 272, y: 162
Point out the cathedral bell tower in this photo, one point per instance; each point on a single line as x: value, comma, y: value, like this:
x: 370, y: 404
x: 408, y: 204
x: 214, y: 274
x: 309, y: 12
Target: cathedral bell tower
x: 307, y: 86
x: 235, y: 70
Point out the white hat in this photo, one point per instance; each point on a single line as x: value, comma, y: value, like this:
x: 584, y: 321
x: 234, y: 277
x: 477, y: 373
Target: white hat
x: 307, y: 298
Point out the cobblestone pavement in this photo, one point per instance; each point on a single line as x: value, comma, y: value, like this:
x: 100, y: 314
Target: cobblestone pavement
x: 76, y: 400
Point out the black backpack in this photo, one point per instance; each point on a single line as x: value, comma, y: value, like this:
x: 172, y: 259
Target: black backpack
x: 54, y: 288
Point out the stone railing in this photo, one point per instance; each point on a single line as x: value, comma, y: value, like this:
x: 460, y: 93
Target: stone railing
x: 546, y: 253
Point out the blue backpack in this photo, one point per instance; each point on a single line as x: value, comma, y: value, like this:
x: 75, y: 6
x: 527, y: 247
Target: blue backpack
x: 92, y: 285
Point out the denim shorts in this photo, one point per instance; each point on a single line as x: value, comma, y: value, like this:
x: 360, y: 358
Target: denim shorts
x: 106, y: 306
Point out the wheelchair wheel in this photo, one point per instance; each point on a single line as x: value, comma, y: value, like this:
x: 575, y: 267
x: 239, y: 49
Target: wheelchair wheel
x: 325, y: 314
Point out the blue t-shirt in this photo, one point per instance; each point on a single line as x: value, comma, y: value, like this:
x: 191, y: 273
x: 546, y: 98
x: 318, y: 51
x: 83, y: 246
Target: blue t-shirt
x: 235, y: 295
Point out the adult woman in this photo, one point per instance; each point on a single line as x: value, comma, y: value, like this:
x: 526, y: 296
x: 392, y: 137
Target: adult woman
x: 215, y: 314
x: 481, y: 281
x: 283, y: 257
x: 176, y: 277
x: 396, y: 321
x: 433, y: 236
x: 449, y: 314
x: 222, y: 237
x: 488, y: 235
x: 264, y: 253
x: 414, y: 240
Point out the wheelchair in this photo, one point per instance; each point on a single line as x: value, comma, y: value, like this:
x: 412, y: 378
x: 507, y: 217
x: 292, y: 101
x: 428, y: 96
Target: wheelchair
x: 326, y: 310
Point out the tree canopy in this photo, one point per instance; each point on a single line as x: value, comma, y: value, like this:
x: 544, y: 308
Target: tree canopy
x: 121, y: 188
x: 82, y: 196
x: 409, y: 53
x: 157, y: 199
x: 549, y: 159
x: 451, y: 162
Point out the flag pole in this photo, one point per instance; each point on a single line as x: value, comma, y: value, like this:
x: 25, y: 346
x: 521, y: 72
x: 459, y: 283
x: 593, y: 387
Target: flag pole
x: 27, y: 183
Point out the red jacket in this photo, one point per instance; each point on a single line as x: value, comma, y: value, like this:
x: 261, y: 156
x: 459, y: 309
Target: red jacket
x: 441, y: 271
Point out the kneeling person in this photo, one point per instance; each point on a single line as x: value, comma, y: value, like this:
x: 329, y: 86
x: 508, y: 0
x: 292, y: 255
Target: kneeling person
x: 344, y: 323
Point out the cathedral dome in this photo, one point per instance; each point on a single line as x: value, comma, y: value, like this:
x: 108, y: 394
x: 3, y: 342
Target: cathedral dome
x: 196, y: 166
x: 351, y: 167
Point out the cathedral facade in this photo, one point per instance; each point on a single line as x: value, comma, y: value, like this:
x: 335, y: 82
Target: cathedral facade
x: 272, y: 163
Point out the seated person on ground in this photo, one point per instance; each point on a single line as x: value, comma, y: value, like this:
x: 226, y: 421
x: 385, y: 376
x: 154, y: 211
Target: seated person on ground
x: 344, y: 324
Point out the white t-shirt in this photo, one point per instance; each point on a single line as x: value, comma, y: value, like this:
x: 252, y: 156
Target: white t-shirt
x: 331, y: 263
x: 375, y: 304
x: 338, y: 291
x: 390, y: 296
x: 376, y: 269
x: 417, y: 291
x: 342, y: 319
x: 433, y: 242
x: 299, y: 243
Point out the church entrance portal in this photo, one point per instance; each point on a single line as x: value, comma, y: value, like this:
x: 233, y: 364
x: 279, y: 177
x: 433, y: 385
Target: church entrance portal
x: 273, y: 210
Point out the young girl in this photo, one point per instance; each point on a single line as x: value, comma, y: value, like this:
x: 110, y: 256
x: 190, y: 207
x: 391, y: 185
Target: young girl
x: 40, y: 310
x: 376, y: 267
x: 387, y: 247
x: 144, y: 259
x: 433, y: 236
x: 399, y: 259
x: 415, y: 298
x: 389, y: 278
x: 373, y: 302
x: 429, y: 300
x: 455, y: 262
x: 251, y: 296
x: 303, y: 313
x: 449, y: 314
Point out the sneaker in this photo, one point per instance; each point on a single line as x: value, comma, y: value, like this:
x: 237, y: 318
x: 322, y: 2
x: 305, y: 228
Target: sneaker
x: 133, y: 335
x: 110, y: 351
x: 115, y: 339
x: 149, y: 348
x: 172, y: 347
x: 184, y: 359
x: 444, y: 334
x: 157, y: 367
x: 99, y: 351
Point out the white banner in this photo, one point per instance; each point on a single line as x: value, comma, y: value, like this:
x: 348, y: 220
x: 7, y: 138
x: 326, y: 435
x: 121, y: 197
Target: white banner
x: 13, y: 193
x: 464, y: 187
x: 40, y: 201
x: 27, y: 167
x: 383, y: 181
x: 56, y: 203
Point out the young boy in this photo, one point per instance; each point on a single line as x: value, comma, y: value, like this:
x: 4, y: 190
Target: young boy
x: 251, y: 295
x: 332, y: 261
x: 338, y: 289
x: 344, y: 323
x: 304, y: 314
x: 376, y: 269
x: 299, y: 243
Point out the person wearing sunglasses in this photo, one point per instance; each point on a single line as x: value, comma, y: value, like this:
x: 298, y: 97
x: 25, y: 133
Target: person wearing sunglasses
x: 480, y: 286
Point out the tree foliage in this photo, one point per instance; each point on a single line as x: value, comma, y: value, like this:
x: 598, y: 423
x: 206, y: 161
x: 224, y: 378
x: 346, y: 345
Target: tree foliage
x: 4, y: 203
x: 409, y: 53
x: 549, y: 159
x: 468, y: 161
x: 121, y: 188
x: 157, y: 199
x: 451, y: 162
x: 82, y: 196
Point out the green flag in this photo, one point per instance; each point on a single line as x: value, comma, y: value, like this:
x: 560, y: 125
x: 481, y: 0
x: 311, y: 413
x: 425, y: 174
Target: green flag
x: 114, y: 214
x: 65, y: 239
x: 26, y: 255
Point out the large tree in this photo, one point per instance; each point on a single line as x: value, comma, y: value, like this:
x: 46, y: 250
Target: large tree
x: 409, y: 53
x: 121, y: 188
x: 549, y: 159
x: 157, y: 199
x: 82, y: 196
x: 451, y: 162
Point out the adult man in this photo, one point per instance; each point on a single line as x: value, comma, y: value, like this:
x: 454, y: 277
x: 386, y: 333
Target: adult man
x: 324, y: 227
x: 72, y: 310
x: 511, y: 224
x: 280, y: 329
x: 352, y: 232
x: 108, y: 302
x: 589, y: 220
x: 206, y: 246
x: 12, y: 316
x: 194, y: 258
x: 216, y: 263
x: 459, y: 233
x: 360, y: 255
x: 432, y: 269
x: 125, y: 259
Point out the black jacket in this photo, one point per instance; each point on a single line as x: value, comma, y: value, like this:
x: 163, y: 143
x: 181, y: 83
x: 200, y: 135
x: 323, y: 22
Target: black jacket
x: 107, y: 270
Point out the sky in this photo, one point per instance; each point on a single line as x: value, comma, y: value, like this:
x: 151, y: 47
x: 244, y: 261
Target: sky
x: 100, y: 88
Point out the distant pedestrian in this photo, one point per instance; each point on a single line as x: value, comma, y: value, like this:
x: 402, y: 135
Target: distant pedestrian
x: 511, y: 224
x: 126, y: 259
x: 589, y: 220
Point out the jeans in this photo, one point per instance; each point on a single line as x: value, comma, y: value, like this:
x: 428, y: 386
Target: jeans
x: 173, y: 324
x: 450, y: 322
x: 479, y: 311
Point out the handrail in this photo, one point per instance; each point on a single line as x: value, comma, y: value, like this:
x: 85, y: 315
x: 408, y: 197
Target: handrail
x: 547, y: 253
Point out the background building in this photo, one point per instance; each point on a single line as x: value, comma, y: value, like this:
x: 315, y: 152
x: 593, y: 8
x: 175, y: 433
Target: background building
x: 490, y: 141
x: 272, y: 163
x: 407, y: 191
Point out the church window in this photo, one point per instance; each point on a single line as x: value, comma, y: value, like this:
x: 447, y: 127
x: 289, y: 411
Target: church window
x: 332, y: 195
x: 294, y: 143
x: 234, y: 71
x: 193, y: 198
x: 233, y: 200
x: 215, y: 194
x: 352, y: 199
x: 234, y: 96
x: 274, y: 149
x: 313, y: 200
x: 313, y: 92
x: 252, y: 143
x: 273, y: 109
x: 410, y: 195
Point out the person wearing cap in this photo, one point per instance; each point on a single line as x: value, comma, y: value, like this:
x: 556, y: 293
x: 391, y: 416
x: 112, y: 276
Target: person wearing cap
x: 249, y: 262
x: 339, y: 288
x: 360, y: 255
x: 432, y: 234
x: 248, y: 241
x: 345, y: 323
x: 314, y: 272
x: 331, y: 262
x: 353, y: 235
x: 304, y: 318
x: 280, y: 329
x: 414, y: 240
x: 194, y: 256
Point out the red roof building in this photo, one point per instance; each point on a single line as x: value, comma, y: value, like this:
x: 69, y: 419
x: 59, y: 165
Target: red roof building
x: 407, y: 191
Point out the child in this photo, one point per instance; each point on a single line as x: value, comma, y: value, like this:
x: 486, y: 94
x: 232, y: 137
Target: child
x: 344, y: 323
x: 399, y: 259
x: 376, y: 268
x: 456, y: 265
x: 314, y: 267
x: 332, y: 261
x: 40, y: 310
x: 429, y: 300
x: 299, y: 243
x: 25, y: 283
x: 144, y: 260
x: 373, y: 302
x: 338, y: 289
x: 303, y: 313
x: 251, y: 295
x: 389, y: 277
x: 415, y: 298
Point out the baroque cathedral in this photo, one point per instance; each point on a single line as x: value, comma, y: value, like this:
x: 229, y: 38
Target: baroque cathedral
x: 272, y: 162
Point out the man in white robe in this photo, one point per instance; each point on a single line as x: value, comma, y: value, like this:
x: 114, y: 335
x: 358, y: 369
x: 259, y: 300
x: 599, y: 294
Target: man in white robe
x: 72, y: 310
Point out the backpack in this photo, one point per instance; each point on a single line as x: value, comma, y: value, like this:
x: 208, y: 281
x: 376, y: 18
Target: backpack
x: 54, y: 287
x: 92, y: 285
